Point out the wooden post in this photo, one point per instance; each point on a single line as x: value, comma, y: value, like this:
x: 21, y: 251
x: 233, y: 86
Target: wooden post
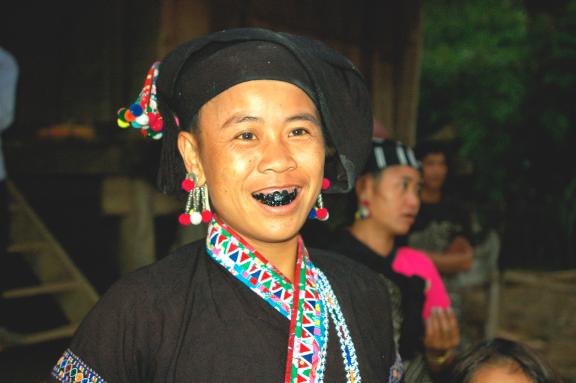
x: 409, y: 77
x: 181, y: 21
x: 396, y: 74
x: 137, y: 238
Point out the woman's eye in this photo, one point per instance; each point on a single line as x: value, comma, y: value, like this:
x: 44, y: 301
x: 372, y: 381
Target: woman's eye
x: 298, y: 132
x: 246, y: 136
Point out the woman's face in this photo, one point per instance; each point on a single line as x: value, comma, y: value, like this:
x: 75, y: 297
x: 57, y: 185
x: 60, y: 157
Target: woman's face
x: 258, y: 138
x: 393, y: 198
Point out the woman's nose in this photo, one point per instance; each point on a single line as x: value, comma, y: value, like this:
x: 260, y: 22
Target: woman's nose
x: 413, y: 199
x: 276, y: 157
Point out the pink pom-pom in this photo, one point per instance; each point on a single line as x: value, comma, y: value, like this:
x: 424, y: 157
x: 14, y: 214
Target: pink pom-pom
x: 322, y: 214
x: 188, y: 185
x: 325, y: 183
x: 184, y: 219
x: 206, y: 216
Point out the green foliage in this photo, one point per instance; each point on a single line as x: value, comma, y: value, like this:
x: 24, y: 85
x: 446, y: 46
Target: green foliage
x: 505, y: 76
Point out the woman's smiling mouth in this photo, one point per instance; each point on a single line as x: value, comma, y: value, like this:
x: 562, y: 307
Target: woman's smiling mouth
x: 280, y: 197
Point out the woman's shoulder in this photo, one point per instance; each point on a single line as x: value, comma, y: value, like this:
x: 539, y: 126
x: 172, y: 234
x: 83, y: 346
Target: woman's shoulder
x: 412, y: 254
x: 343, y: 269
x: 161, y: 277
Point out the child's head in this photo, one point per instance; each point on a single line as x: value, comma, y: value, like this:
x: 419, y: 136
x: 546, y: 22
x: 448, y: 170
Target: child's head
x: 503, y: 361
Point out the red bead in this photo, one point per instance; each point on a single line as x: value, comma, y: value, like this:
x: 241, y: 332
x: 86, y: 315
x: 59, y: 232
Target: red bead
x: 144, y: 132
x: 157, y: 125
x: 322, y: 214
x: 325, y: 183
x: 188, y: 184
x: 206, y: 216
x: 184, y: 219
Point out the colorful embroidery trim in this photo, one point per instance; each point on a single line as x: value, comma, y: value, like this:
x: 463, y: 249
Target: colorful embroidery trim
x: 308, y: 304
x: 71, y: 369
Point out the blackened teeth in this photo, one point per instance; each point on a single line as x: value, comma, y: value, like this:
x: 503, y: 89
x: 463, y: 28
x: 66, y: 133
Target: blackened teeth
x: 277, y: 198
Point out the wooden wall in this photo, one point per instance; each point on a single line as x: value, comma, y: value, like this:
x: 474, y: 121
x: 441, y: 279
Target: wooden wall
x: 81, y: 60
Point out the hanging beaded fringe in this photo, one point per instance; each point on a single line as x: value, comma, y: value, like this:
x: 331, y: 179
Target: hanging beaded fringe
x: 198, y: 204
x: 143, y: 114
x: 363, y: 211
x: 319, y: 211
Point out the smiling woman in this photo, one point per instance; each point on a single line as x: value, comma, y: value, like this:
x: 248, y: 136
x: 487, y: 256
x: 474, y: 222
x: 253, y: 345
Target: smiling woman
x: 247, y: 117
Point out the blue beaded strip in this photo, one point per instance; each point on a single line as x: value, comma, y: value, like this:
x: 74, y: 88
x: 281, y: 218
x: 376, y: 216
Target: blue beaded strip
x: 71, y: 369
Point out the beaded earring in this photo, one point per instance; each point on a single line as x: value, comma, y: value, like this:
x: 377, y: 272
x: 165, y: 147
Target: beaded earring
x: 143, y: 114
x: 363, y: 211
x: 319, y: 211
x: 198, y: 203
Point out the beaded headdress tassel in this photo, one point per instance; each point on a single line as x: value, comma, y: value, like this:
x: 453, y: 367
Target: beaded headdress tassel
x: 143, y: 114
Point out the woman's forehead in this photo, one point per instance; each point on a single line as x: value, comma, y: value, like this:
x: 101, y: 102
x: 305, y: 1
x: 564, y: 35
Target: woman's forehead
x: 395, y: 172
x: 260, y: 96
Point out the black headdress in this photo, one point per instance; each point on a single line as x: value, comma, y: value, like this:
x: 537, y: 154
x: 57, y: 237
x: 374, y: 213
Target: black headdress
x: 385, y: 153
x: 199, y: 70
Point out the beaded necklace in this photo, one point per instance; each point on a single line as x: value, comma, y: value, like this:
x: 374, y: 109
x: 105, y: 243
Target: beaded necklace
x: 308, y: 303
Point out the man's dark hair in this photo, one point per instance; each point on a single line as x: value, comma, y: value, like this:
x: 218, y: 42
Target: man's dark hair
x: 425, y: 148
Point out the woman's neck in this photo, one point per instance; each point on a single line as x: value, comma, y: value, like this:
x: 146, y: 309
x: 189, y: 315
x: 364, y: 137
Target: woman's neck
x: 375, y: 237
x: 430, y: 195
x: 280, y: 254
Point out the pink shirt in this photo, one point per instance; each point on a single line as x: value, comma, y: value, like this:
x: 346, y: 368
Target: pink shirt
x: 411, y: 262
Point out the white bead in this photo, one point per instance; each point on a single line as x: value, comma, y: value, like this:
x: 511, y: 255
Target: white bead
x: 142, y: 119
x: 196, y: 218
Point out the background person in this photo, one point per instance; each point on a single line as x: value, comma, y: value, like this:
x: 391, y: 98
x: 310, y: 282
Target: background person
x: 387, y: 200
x: 442, y: 228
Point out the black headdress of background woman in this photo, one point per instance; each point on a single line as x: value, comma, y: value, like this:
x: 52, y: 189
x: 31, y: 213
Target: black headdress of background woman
x: 382, y: 154
x: 199, y: 70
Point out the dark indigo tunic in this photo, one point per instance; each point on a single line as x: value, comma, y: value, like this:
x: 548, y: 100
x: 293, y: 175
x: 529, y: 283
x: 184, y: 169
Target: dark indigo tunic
x: 187, y: 319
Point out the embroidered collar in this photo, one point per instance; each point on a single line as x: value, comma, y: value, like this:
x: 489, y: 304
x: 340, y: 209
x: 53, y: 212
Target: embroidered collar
x: 308, y: 303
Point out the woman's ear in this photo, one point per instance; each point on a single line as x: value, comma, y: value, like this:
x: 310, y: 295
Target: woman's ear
x: 363, y: 187
x: 190, y: 152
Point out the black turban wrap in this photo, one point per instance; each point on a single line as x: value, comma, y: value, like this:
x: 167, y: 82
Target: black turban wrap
x: 199, y: 70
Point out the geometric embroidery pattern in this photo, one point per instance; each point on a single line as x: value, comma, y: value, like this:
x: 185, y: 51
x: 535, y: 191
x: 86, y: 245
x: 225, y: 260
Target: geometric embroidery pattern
x: 70, y: 368
x: 299, y: 302
x: 308, y: 303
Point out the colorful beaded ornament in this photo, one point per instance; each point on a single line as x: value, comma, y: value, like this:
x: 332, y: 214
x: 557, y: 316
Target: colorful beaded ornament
x: 198, y: 204
x: 70, y: 368
x: 319, y: 211
x: 143, y: 113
